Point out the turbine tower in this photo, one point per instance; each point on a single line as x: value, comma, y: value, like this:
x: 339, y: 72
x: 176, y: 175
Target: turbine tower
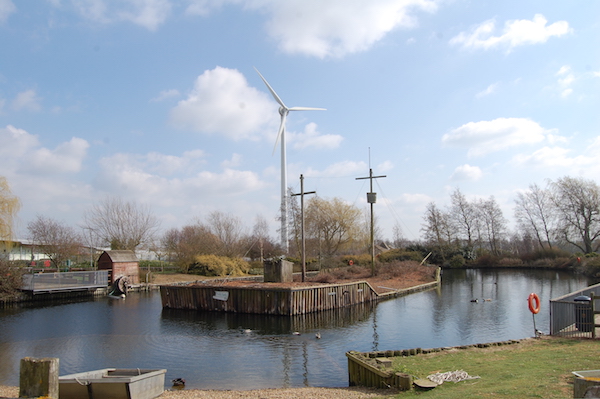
x: 284, y: 111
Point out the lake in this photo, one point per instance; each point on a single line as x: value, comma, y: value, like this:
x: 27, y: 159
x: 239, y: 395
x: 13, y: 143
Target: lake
x: 234, y: 351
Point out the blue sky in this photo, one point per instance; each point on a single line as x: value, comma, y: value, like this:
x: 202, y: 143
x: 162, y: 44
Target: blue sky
x: 158, y: 102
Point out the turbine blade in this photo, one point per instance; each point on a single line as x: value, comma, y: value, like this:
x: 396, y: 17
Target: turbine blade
x: 306, y: 109
x: 275, y: 96
x: 280, y: 132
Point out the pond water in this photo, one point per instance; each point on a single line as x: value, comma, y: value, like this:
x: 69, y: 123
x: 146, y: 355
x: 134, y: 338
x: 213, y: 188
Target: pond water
x: 234, y: 351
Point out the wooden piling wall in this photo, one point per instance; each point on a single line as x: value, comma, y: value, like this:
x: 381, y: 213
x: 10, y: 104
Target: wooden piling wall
x: 217, y: 296
x: 364, y: 369
x: 362, y: 373
x: 266, y: 300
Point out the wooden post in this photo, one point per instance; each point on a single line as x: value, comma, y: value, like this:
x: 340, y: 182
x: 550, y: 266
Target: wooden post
x: 405, y: 381
x: 594, y: 312
x: 38, y: 377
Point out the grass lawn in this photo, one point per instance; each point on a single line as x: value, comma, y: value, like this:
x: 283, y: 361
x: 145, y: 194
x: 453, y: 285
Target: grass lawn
x: 534, y: 368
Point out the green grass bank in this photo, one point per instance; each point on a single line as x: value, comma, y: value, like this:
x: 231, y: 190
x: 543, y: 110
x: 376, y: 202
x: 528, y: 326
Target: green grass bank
x: 533, y: 368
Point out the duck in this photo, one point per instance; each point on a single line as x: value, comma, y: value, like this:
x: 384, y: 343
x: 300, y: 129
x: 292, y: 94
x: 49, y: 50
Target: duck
x: 475, y: 300
x: 318, y: 335
x: 295, y: 333
x: 178, y: 382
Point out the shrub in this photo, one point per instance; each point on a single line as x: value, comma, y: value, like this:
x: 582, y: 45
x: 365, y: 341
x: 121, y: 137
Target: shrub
x: 591, y: 267
x: 362, y: 259
x: 544, y: 253
x: 486, y: 260
x: 400, y: 255
x: 213, y: 265
x: 457, y: 261
x: 342, y: 273
x: 11, y: 280
x: 510, y: 262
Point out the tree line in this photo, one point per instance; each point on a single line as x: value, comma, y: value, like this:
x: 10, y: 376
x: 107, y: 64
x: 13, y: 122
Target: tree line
x: 565, y: 214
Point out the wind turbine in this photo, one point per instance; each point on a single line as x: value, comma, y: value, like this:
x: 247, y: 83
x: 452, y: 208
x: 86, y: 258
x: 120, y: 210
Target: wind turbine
x: 284, y: 111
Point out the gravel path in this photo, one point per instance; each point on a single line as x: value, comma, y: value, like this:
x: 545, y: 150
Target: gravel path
x: 279, y: 393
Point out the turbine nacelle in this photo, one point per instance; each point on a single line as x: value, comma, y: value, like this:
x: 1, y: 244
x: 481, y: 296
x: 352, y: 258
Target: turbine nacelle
x: 283, y: 110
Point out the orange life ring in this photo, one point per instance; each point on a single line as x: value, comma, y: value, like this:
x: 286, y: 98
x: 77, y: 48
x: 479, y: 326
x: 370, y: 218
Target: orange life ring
x: 350, y: 262
x: 535, y: 309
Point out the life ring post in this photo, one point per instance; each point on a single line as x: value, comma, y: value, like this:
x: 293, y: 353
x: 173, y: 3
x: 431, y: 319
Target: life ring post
x: 534, y: 307
x: 534, y: 303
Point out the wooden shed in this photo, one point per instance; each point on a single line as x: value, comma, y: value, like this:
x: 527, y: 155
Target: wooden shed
x: 121, y: 263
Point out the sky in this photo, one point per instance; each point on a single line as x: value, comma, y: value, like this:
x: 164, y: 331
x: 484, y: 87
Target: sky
x: 158, y: 102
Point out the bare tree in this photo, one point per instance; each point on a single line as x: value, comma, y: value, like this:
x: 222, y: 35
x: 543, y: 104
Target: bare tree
x: 56, y: 240
x: 9, y: 207
x: 183, y: 245
x: 120, y: 224
x: 533, y: 212
x: 230, y: 232
x: 577, y: 204
x: 438, y: 229
x: 464, y: 216
x: 398, y: 236
x: 260, y: 244
x: 493, y: 223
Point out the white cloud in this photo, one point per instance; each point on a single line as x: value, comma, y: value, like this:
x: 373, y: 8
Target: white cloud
x: 234, y: 162
x: 466, y: 172
x: 335, y: 28
x: 340, y: 169
x: 165, y: 95
x: 205, y: 7
x: 489, y: 136
x: 551, y: 157
x: 16, y: 143
x: 385, y: 166
x: 65, y: 158
x: 137, y: 175
x: 515, y: 33
x: 149, y: 14
x: 22, y: 152
x: 331, y: 28
x: 6, y: 8
x: 222, y: 102
x: 489, y: 90
x: 27, y: 100
x: 312, y: 138
x: 565, y: 80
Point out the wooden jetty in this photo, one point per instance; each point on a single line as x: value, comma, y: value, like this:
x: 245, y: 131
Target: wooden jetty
x: 274, y: 298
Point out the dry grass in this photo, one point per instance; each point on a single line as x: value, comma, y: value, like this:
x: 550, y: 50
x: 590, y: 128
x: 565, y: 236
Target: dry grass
x: 393, y: 275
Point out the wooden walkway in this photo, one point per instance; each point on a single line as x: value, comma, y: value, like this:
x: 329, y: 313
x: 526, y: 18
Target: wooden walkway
x: 43, y: 283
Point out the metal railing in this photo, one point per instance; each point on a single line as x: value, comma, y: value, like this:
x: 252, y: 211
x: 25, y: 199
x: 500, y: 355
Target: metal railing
x: 65, y: 281
x: 572, y: 318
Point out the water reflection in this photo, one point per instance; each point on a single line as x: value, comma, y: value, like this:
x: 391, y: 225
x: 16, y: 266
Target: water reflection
x: 229, y: 351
